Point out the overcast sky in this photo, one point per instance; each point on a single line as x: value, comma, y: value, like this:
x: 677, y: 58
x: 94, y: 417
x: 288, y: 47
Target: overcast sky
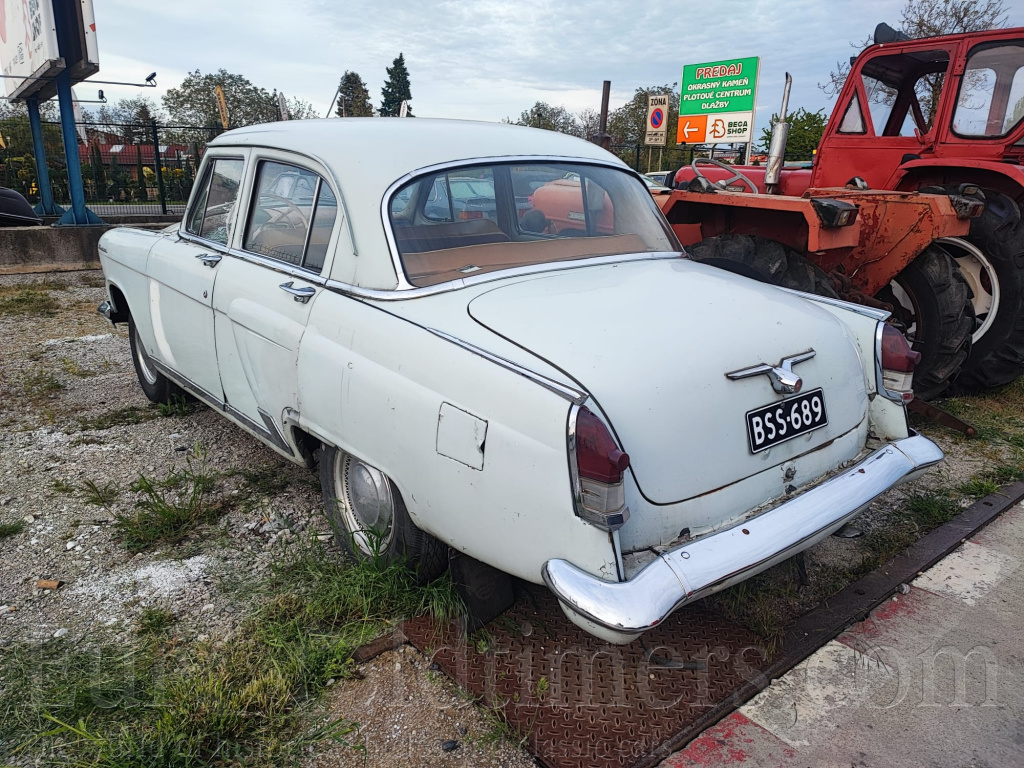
x: 485, y: 59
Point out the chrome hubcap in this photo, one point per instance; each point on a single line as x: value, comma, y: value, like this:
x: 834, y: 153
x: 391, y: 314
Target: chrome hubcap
x: 365, y: 502
x: 981, y: 277
x: 140, y: 356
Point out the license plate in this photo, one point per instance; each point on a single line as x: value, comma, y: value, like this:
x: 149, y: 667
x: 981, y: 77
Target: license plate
x: 779, y: 422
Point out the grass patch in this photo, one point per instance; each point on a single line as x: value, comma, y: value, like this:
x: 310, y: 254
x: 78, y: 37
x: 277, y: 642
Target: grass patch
x: 60, y: 486
x: 72, y: 368
x: 28, y: 300
x: 170, y: 508
x: 763, y: 604
x: 11, y: 529
x: 40, y: 383
x: 99, y: 495
x: 133, y: 414
x: 249, y: 702
x: 90, y: 280
x: 176, y: 406
x: 153, y: 621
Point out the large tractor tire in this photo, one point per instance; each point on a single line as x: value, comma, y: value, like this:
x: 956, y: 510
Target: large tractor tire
x: 996, y: 273
x: 765, y: 260
x: 932, y: 300
x: 932, y: 306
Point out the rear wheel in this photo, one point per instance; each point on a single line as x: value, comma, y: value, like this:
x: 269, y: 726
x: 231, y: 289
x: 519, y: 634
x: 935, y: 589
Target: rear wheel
x: 369, y: 517
x: 997, y: 265
x: 765, y: 260
x: 932, y: 306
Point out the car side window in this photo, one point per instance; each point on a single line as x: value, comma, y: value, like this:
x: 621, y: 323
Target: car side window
x: 293, y: 215
x: 211, y: 215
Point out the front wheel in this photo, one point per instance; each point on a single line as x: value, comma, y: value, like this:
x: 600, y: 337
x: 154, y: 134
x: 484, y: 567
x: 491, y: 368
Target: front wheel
x: 157, y: 387
x: 932, y: 306
x: 369, y: 517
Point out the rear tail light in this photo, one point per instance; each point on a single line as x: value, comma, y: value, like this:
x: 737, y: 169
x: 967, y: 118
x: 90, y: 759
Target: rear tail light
x: 897, y: 361
x: 598, y: 469
x: 466, y: 215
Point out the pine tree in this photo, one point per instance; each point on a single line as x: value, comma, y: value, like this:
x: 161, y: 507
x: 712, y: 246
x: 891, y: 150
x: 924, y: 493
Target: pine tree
x: 396, y: 89
x: 353, y: 98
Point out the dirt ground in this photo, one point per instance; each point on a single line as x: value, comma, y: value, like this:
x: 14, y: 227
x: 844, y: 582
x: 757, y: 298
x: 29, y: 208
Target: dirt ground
x: 71, y: 414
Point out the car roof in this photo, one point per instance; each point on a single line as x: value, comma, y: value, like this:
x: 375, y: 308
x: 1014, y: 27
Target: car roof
x: 367, y: 155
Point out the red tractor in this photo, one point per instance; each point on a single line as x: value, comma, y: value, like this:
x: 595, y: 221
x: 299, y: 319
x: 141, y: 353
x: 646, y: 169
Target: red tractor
x: 926, y: 144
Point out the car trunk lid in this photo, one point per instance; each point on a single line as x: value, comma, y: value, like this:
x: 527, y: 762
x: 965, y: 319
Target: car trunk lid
x: 652, y: 342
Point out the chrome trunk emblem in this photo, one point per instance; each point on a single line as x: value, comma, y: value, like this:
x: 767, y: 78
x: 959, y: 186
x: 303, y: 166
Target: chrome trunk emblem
x: 784, y: 381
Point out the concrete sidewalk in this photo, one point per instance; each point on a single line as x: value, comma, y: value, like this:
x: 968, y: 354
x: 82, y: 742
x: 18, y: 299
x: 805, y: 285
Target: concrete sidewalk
x: 932, y: 678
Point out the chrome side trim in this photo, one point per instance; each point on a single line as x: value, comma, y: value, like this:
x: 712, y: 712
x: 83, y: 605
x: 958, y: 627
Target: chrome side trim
x: 860, y: 309
x: 273, y: 431
x: 464, y: 282
x: 282, y: 267
x: 571, y: 394
x: 704, y: 566
x: 272, y: 436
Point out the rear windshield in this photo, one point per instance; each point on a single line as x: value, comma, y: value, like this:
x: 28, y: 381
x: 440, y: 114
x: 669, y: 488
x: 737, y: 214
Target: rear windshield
x: 482, y: 218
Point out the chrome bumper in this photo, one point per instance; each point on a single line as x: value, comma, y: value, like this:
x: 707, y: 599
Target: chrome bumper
x: 107, y: 310
x: 619, y: 612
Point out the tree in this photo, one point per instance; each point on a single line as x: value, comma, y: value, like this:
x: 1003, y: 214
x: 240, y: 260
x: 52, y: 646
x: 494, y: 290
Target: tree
x: 194, y: 102
x: 128, y: 118
x: 396, y: 89
x: 353, y: 98
x: 550, y: 118
x: 805, y: 132
x: 140, y: 175
x: 98, y: 175
x: 301, y: 110
x: 930, y: 18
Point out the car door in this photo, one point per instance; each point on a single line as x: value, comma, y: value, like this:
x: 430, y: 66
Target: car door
x: 182, y: 272
x: 267, y: 286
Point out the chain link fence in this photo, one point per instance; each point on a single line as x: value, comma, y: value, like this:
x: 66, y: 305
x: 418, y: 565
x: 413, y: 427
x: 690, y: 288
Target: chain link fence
x: 128, y: 169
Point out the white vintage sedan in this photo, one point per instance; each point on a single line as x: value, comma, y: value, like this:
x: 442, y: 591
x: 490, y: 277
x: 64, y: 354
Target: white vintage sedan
x: 491, y: 343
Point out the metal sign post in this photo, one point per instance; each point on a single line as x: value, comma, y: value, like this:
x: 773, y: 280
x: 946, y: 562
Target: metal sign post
x: 45, y: 206
x: 716, y: 102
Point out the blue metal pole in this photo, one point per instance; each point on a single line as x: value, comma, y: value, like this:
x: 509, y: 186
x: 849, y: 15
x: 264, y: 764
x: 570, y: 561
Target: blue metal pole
x: 45, y: 206
x: 78, y: 215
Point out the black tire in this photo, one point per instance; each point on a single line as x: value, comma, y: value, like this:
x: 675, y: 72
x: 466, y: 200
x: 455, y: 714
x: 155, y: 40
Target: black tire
x: 157, y: 387
x: 764, y: 260
x: 400, y: 541
x: 997, y: 357
x: 936, y: 315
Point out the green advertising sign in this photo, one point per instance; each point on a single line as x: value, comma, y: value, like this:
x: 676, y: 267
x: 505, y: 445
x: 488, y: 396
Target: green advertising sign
x: 718, y: 98
x: 719, y: 86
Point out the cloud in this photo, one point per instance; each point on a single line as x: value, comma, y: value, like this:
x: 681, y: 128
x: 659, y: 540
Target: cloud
x: 487, y: 59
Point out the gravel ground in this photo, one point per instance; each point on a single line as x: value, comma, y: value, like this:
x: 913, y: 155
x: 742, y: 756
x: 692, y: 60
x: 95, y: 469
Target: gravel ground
x: 49, y: 451
x: 62, y: 378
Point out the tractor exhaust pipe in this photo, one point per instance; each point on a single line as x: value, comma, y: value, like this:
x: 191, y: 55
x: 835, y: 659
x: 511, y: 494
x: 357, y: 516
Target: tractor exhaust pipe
x: 777, y: 148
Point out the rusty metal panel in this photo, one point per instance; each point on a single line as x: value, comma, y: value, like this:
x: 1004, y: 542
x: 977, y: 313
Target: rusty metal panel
x: 581, y: 702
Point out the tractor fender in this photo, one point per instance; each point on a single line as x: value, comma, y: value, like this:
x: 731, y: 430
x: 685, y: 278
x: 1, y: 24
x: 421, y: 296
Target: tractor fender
x: 988, y: 174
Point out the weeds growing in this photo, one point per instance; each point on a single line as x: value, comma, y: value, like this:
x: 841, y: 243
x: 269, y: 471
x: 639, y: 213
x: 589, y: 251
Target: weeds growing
x: 248, y: 702
x: 11, y: 529
x: 99, y: 495
x: 170, y: 508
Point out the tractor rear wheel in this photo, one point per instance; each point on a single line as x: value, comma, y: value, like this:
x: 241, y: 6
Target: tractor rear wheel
x: 997, y: 357
x: 764, y: 260
x: 932, y: 307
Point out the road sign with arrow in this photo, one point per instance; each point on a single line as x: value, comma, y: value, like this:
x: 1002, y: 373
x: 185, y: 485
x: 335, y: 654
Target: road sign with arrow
x: 716, y: 102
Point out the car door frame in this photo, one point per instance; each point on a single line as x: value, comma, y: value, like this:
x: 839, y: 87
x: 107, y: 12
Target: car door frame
x: 157, y: 344
x: 268, y: 429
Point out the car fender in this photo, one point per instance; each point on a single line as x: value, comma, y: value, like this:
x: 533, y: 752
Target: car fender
x: 478, y: 451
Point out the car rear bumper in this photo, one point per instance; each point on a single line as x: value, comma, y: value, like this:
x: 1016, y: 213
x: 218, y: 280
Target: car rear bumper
x: 621, y: 611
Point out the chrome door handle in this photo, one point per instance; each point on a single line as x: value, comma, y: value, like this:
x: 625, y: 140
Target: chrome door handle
x: 301, y: 295
x: 209, y: 259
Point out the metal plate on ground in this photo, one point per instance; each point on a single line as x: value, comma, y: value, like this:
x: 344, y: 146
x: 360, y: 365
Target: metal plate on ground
x: 579, y: 701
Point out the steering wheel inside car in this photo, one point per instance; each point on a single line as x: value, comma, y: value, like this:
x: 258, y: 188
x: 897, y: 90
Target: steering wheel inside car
x: 736, y: 175
x: 290, y: 204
